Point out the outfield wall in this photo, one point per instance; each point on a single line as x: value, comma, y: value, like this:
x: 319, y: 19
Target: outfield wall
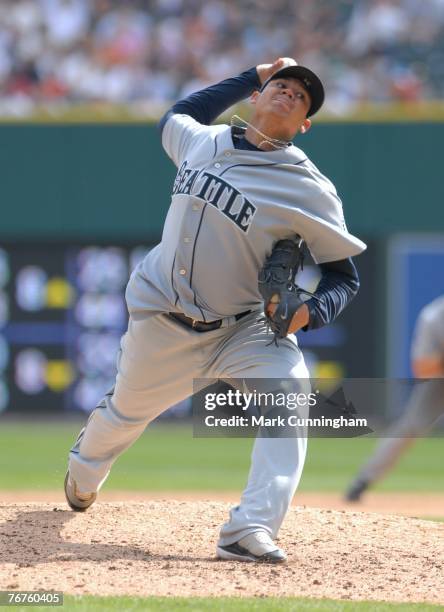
x: 113, y: 181
x: 94, y: 197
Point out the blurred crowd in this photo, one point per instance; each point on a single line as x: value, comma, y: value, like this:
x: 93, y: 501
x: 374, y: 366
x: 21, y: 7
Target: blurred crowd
x: 154, y: 51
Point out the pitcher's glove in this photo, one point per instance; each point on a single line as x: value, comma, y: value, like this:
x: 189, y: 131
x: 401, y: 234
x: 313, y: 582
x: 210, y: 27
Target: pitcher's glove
x: 277, y: 284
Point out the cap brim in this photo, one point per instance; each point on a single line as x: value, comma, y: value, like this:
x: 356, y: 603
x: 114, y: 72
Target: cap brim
x: 308, y: 78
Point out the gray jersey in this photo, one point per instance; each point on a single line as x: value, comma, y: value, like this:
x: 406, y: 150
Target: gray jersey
x: 428, y: 337
x: 228, y: 208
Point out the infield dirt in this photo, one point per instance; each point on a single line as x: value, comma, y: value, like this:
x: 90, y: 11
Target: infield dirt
x: 416, y: 505
x: 166, y: 547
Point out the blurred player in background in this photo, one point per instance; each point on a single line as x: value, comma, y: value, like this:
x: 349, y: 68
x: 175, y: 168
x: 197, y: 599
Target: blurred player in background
x: 426, y: 403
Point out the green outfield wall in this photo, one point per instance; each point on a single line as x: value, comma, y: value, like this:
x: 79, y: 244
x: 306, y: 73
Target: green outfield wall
x: 113, y: 181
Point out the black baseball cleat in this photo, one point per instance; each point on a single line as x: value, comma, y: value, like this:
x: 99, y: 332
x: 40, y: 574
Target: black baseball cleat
x: 257, y: 547
x: 79, y: 502
x: 356, y: 490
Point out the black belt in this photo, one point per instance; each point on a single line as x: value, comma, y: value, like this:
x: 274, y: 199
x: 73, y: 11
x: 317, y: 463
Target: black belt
x: 201, y: 326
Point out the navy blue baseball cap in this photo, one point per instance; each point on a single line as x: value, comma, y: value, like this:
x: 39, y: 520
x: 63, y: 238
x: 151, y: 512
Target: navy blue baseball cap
x: 310, y: 81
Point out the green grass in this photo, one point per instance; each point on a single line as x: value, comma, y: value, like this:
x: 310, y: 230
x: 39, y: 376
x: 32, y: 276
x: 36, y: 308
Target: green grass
x: 33, y: 456
x: 228, y: 604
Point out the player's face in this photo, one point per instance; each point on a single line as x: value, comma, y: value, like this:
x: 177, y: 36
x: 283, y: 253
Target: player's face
x: 286, y: 100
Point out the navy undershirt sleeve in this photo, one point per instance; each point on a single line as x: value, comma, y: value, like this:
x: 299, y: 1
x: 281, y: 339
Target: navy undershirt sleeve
x: 338, y: 286
x: 207, y: 104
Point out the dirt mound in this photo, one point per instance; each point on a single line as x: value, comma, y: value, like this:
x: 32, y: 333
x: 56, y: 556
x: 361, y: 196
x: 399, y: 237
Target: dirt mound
x: 167, y: 548
x: 418, y: 504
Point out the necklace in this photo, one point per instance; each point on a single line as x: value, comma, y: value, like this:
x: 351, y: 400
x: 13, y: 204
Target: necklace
x: 274, y: 142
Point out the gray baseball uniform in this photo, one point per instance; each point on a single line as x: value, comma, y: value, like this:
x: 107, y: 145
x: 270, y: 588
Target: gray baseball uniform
x: 228, y: 208
x: 426, y: 403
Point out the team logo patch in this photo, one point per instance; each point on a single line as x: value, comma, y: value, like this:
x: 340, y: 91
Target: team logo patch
x: 217, y: 192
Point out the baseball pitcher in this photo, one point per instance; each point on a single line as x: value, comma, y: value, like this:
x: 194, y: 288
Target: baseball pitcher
x: 243, y: 201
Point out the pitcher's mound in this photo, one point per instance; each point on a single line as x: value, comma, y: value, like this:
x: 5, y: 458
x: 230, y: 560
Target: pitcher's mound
x: 167, y: 548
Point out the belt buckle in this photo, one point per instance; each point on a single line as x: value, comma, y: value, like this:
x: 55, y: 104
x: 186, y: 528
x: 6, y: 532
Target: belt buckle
x: 194, y: 323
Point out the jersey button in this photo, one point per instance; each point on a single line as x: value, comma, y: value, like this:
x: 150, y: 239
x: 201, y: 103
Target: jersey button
x: 182, y: 272
x: 227, y: 153
x: 186, y: 240
x: 195, y: 207
x: 217, y: 165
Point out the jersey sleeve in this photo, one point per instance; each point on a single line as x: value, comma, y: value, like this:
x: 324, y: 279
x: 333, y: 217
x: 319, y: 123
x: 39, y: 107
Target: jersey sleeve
x: 321, y: 224
x: 319, y: 218
x: 180, y: 134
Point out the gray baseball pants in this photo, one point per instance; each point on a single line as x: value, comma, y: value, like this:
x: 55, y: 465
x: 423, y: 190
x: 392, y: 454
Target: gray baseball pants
x: 158, y: 361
